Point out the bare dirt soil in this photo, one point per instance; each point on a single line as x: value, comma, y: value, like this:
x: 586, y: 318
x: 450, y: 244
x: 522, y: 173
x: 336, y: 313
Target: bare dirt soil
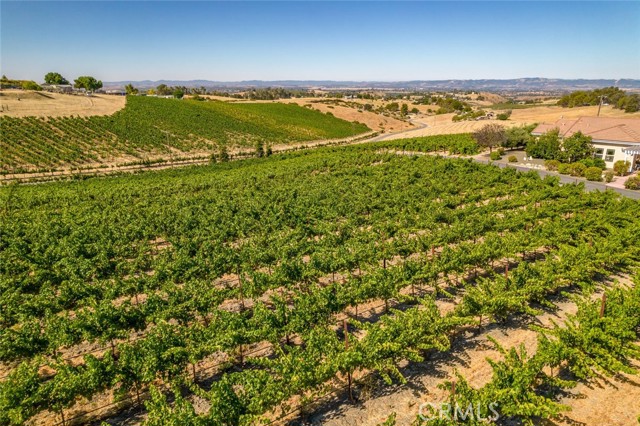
x: 23, y: 103
x: 606, y: 401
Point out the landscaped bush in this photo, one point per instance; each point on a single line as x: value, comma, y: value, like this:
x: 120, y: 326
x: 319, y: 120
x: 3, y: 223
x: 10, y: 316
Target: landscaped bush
x: 633, y: 182
x: 608, y: 176
x: 495, y: 155
x: 552, y: 165
x: 512, y: 159
x: 577, y: 169
x: 564, y: 168
x: 549, y: 146
x: 621, y: 167
x: 593, y: 174
x: 594, y: 162
x: 501, y: 151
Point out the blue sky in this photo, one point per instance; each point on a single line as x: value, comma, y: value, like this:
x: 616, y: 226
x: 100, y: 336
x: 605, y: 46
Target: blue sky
x: 387, y: 41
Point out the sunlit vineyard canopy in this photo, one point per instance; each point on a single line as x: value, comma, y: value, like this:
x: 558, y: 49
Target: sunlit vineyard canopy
x: 167, y: 272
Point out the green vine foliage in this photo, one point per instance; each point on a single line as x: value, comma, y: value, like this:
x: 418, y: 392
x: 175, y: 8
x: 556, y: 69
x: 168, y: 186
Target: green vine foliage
x: 167, y: 269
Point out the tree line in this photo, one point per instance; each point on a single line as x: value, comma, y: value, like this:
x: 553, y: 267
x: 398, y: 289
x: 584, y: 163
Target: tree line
x: 611, y: 95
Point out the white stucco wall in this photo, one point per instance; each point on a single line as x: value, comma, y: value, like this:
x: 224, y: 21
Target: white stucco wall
x: 616, y: 147
x: 618, y: 154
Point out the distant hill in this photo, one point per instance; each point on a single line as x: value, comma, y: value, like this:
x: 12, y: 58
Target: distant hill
x: 511, y: 85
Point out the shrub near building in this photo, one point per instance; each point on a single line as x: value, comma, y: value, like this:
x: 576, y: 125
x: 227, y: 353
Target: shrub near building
x: 621, y: 167
x: 577, y: 169
x: 608, y: 176
x: 495, y: 156
x: 552, y: 165
x: 633, y: 182
x: 593, y: 174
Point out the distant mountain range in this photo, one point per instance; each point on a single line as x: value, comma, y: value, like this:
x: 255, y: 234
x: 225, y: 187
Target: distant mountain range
x: 510, y: 85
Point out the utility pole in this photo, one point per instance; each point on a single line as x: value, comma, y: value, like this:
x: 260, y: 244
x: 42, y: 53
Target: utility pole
x: 600, y: 105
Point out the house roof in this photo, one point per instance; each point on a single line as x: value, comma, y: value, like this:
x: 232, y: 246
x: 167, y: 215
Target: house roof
x: 599, y: 128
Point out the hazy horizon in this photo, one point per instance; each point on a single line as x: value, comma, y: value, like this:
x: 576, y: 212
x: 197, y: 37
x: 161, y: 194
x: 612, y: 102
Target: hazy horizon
x: 350, y: 41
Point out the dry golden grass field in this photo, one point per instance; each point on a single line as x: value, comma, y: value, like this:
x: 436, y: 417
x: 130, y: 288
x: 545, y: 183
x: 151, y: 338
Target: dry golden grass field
x: 551, y: 113
x: 21, y: 103
x: 442, y: 124
x: 370, y: 119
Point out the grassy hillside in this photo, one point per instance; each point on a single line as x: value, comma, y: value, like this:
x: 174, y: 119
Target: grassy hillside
x: 152, y: 126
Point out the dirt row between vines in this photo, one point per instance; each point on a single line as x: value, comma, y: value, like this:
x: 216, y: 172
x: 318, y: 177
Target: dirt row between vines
x: 160, y: 162
x: 103, y: 406
x: 605, y: 401
x: 74, y: 353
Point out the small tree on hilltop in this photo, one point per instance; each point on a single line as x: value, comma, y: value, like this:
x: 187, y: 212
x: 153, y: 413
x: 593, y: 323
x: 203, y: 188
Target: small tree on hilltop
x: 130, y: 89
x: 490, y: 135
x: 178, y: 93
x: 393, y: 107
x: 55, y: 78
x: 88, y: 83
x: 163, y: 90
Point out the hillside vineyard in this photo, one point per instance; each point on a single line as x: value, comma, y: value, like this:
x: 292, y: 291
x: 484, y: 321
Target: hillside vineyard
x: 154, y: 126
x: 179, y: 276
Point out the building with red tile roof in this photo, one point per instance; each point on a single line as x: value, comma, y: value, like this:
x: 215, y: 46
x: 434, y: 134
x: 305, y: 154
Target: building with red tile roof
x: 613, y: 138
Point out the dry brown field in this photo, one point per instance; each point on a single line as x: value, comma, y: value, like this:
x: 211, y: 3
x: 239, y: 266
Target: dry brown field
x: 551, y: 113
x: 21, y: 103
x: 442, y: 124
